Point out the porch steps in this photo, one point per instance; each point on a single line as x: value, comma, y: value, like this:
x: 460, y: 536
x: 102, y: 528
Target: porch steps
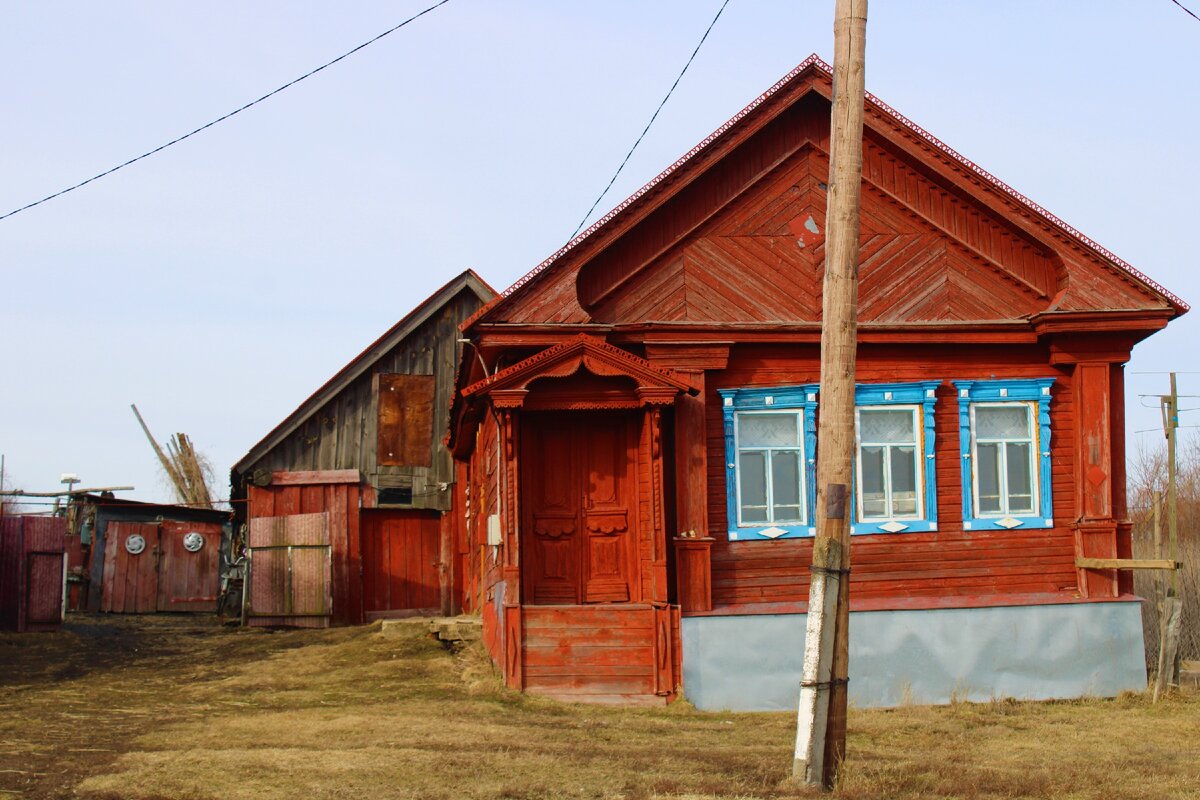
x: 591, y: 654
x: 451, y: 630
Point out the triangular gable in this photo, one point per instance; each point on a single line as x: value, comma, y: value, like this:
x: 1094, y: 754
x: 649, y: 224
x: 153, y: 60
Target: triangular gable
x: 467, y: 281
x: 651, y: 385
x: 1043, y: 264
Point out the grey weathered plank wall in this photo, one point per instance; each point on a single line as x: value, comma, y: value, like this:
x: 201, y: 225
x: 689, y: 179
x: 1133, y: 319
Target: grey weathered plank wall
x: 342, y: 434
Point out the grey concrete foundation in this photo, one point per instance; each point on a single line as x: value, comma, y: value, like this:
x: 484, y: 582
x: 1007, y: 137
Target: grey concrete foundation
x: 752, y: 662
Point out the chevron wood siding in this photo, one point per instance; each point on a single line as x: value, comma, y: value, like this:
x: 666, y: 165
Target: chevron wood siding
x: 975, y: 252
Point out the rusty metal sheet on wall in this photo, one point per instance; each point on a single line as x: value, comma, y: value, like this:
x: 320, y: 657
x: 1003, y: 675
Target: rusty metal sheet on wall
x: 290, y: 571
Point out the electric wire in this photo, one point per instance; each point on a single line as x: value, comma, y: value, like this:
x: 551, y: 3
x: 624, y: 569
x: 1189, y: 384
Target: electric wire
x: 220, y: 119
x: 653, y: 117
x: 1188, y: 10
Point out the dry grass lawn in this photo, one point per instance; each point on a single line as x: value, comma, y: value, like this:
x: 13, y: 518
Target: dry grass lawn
x: 175, y: 707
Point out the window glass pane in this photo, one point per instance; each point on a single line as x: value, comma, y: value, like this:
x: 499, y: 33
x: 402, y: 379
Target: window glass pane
x: 987, y: 469
x: 904, y: 480
x: 1002, y: 422
x: 752, y: 471
x: 785, y: 485
x: 768, y: 430
x: 886, y: 426
x: 874, y: 503
x: 1020, y: 481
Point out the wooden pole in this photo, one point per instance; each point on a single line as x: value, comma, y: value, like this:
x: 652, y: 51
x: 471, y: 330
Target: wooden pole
x: 1172, y: 479
x: 1172, y: 619
x: 172, y: 473
x: 821, y: 720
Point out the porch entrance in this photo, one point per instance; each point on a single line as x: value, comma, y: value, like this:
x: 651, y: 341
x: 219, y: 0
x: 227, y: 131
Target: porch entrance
x: 579, y: 511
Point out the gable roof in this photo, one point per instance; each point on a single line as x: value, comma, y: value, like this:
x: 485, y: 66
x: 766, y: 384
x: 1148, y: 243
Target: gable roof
x: 760, y: 111
x: 467, y: 281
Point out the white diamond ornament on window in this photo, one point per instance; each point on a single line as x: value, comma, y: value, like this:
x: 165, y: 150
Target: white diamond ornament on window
x: 893, y: 527
x: 772, y: 533
x: 1009, y: 523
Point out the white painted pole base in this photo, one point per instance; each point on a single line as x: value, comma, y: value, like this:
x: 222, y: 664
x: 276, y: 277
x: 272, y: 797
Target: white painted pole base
x: 813, y: 712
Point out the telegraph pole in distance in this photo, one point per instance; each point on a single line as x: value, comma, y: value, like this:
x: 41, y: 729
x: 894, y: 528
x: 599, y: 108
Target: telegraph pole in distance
x: 1170, y: 610
x: 821, y: 717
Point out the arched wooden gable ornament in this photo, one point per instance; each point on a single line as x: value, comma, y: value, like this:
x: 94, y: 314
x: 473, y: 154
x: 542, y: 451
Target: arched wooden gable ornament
x: 594, y: 375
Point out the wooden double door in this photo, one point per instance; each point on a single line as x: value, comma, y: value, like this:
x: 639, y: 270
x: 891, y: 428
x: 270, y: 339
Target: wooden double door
x: 168, y: 566
x: 579, y: 507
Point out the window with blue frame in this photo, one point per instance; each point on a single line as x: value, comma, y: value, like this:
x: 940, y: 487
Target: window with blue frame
x: 895, y: 487
x: 1004, y: 435
x: 770, y: 442
x: 770, y: 455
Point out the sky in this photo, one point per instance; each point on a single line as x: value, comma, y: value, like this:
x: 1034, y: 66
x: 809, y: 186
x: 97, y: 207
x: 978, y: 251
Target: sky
x: 220, y: 282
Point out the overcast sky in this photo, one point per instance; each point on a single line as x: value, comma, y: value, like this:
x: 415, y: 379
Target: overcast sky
x: 220, y: 282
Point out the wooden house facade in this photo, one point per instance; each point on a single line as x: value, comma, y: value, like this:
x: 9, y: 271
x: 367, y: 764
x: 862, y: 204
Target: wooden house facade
x: 347, y: 503
x: 638, y: 433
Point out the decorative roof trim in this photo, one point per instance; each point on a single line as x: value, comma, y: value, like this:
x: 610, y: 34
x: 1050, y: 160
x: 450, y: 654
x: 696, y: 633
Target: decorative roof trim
x: 816, y: 61
x: 583, y: 352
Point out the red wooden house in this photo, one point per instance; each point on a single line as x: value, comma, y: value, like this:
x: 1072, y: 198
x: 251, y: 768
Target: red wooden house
x: 639, y: 432
x: 348, y: 503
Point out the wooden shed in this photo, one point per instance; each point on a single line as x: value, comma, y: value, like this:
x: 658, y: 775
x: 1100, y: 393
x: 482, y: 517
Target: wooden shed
x: 32, y: 573
x: 132, y: 557
x: 641, y: 457
x: 348, y: 502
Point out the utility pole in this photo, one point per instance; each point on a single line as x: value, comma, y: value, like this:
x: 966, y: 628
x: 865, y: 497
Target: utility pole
x: 1171, y: 609
x: 821, y: 718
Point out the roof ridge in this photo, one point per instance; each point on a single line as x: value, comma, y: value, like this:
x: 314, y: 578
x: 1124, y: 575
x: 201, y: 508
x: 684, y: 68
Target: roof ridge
x: 816, y: 61
x: 707, y: 140
x: 1054, y: 219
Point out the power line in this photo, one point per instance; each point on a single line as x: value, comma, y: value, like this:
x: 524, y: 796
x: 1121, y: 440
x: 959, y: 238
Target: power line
x: 272, y: 93
x: 653, y: 117
x: 1185, y: 8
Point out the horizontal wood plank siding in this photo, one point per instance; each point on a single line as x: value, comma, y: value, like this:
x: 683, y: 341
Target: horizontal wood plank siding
x: 589, y: 650
x: 949, y: 562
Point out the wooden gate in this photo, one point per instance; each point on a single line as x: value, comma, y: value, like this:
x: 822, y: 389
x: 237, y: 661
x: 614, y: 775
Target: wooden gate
x: 401, y: 558
x: 131, y: 553
x: 32, y: 572
x: 580, y: 519
x: 289, y: 579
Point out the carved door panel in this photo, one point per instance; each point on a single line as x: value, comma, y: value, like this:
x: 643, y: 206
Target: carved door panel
x: 606, y: 510
x: 551, y: 548
x: 578, y: 537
